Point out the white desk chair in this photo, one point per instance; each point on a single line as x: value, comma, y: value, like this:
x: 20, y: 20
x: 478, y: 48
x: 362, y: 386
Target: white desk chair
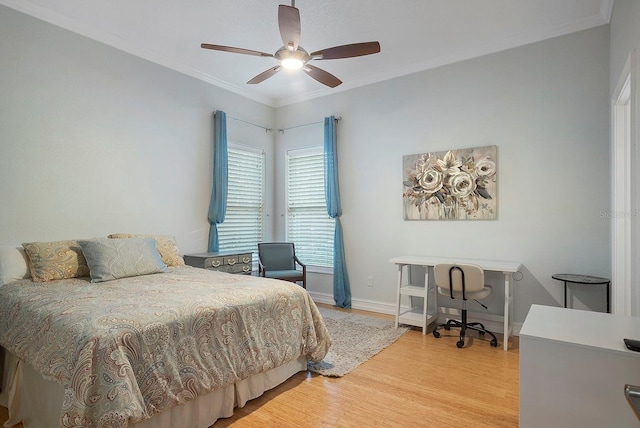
x: 462, y: 281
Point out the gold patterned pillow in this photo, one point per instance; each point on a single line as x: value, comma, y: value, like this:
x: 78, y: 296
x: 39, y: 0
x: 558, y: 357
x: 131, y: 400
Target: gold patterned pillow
x: 49, y: 261
x: 166, y: 245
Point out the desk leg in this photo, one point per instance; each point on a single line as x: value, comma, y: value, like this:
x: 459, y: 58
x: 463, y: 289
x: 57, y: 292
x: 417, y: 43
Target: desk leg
x: 507, y: 309
x: 425, y: 308
x: 398, y: 294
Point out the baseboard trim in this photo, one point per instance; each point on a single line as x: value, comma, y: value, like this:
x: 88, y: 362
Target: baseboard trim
x: 361, y: 304
x: 492, y: 321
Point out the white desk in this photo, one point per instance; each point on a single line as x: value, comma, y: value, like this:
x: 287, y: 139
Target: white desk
x: 506, y: 267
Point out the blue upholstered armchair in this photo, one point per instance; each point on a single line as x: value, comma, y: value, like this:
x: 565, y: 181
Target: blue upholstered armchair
x: 278, y: 260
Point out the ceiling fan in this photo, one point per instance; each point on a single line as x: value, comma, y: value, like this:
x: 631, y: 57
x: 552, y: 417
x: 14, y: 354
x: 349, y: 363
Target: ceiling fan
x: 293, y: 56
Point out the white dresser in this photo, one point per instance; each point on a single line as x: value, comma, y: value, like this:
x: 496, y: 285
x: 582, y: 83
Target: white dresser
x: 574, y: 367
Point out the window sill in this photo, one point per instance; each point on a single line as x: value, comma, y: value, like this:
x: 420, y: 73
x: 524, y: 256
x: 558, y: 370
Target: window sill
x: 320, y: 269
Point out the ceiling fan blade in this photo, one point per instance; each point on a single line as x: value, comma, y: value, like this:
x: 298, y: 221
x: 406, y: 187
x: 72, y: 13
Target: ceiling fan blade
x: 289, y: 23
x: 234, y: 50
x: 265, y: 75
x: 347, y: 51
x: 322, y: 76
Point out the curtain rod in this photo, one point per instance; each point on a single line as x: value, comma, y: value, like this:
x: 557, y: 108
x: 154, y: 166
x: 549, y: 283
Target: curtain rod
x: 281, y: 130
x: 248, y: 123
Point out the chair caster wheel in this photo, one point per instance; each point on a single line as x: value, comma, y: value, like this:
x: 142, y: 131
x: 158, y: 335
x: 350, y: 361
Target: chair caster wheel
x: 447, y: 327
x: 460, y: 343
x: 436, y: 334
x: 494, y: 343
x: 481, y: 333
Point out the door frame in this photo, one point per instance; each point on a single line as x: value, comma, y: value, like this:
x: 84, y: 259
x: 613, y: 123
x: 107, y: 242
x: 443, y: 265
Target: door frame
x: 624, y: 213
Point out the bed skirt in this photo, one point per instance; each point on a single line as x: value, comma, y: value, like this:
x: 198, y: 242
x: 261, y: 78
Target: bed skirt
x: 36, y: 402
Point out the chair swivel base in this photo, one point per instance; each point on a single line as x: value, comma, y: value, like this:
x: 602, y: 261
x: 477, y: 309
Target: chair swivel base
x: 476, y: 326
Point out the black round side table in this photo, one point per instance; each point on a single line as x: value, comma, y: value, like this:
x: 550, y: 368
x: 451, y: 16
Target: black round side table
x: 583, y: 280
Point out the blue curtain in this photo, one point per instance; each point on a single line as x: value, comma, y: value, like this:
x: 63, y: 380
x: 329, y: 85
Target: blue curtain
x: 218, y: 204
x: 341, y: 288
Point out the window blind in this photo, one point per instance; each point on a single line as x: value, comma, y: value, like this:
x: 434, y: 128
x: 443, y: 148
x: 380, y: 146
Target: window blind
x: 243, y: 225
x: 309, y: 226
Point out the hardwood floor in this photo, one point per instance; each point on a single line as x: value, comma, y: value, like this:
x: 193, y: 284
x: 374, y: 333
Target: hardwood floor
x: 417, y: 381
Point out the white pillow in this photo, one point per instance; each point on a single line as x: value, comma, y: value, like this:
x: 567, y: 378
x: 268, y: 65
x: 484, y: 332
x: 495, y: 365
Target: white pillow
x: 13, y: 264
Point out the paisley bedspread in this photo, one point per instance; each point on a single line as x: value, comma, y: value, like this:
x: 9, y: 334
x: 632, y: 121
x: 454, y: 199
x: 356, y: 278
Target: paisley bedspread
x: 129, y: 348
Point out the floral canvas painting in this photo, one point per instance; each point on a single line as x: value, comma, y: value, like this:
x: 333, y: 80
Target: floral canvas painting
x: 451, y: 185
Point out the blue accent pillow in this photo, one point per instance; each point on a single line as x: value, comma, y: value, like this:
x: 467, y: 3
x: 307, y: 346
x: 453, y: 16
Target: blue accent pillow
x: 110, y: 259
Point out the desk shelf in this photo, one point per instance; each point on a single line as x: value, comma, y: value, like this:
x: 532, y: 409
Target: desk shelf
x: 414, y: 316
x: 412, y: 290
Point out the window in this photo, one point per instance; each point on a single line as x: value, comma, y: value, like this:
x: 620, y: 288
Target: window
x: 309, y: 226
x: 244, y: 221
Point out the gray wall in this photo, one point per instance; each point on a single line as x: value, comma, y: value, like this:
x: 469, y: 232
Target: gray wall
x: 545, y: 106
x: 94, y: 141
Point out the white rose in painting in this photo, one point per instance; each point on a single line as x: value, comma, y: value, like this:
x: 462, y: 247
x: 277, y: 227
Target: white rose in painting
x: 485, y: 167
x: 461, y: 184
x: 448, y: 164
x: 431, y: 180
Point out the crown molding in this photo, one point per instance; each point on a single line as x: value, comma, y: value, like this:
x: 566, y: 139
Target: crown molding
x: 606, y: 8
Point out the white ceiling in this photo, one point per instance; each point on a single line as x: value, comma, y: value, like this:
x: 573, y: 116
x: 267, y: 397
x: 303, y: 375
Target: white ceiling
x: 414, y: 34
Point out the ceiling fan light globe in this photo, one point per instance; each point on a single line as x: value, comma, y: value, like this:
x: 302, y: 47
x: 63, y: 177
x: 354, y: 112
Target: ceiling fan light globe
x: 292, y: 63
x: 292, y: 60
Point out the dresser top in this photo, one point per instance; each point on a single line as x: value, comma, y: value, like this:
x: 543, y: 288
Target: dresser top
x: 581, y: 328
x: 217, y: 254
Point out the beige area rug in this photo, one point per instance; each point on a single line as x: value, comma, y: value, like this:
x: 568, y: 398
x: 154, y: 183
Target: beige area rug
x: 354, y: 339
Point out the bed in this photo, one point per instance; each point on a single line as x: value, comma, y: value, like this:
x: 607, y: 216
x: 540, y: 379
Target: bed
x: 179, y: 347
